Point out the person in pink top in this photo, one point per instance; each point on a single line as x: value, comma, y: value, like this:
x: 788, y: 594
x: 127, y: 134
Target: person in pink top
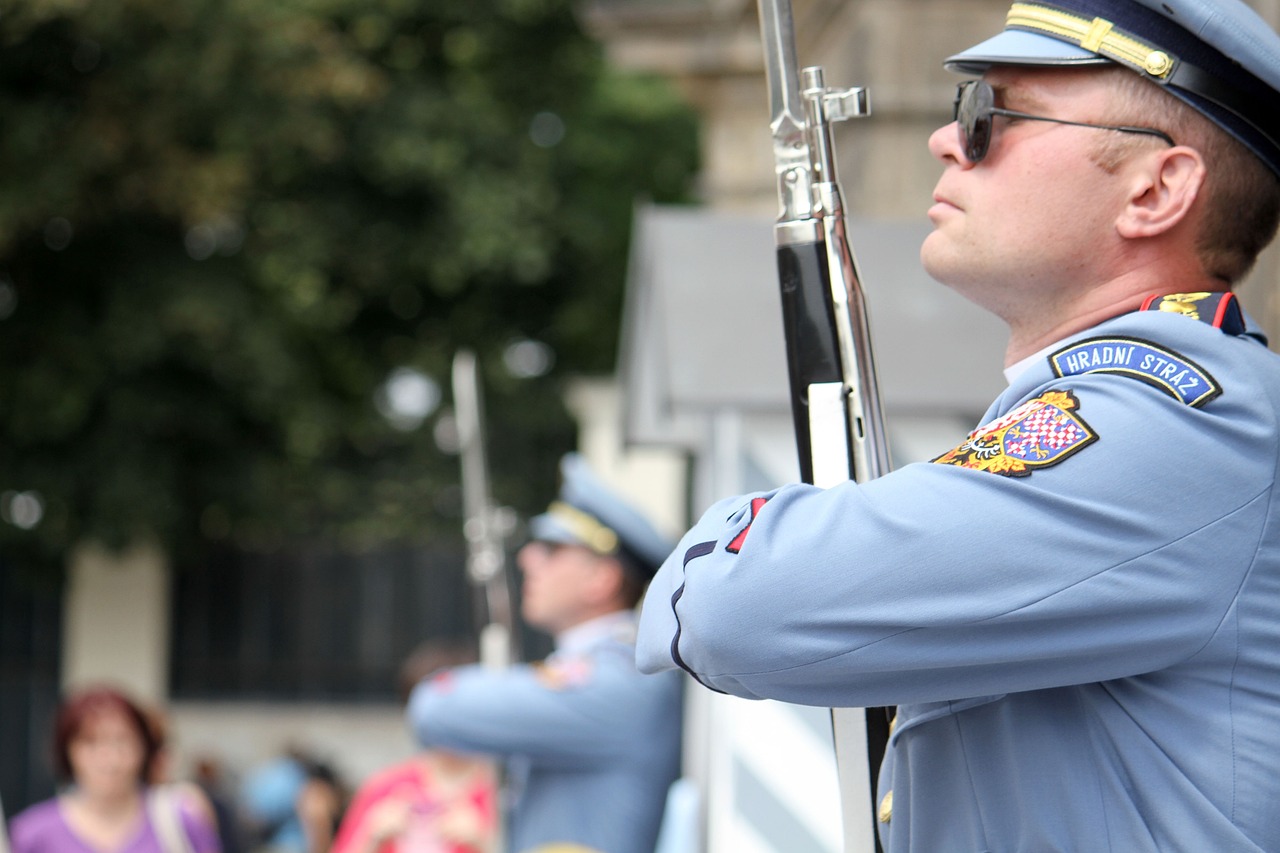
x: 430, y: 803
x: 436, y: 801
x: 103, y: 751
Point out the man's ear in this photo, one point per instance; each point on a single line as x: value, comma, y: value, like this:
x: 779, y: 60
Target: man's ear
x: 1163, y: 188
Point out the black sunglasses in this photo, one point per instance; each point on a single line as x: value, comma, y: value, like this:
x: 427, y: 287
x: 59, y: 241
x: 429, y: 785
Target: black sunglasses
x: 975, y: 107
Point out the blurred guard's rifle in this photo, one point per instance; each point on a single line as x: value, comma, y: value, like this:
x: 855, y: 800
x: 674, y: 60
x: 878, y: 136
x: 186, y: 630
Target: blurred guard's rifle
x: 486, y: 526
x: 835, y: 398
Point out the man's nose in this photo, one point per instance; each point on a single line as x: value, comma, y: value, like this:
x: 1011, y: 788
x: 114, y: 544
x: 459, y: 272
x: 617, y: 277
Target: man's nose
x: 944, y: 145
x: 526, y: 555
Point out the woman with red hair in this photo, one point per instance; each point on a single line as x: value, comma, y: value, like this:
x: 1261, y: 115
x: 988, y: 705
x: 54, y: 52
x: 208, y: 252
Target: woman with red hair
x: 103, y: 752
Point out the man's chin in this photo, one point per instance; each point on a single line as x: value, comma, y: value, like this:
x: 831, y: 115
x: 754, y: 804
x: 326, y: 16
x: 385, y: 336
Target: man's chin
x: 539, y: 620
x: 936, y: 258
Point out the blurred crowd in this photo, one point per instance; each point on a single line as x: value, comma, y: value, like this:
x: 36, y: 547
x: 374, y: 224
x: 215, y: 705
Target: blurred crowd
x: 586, y: 746
x: 118, y: 789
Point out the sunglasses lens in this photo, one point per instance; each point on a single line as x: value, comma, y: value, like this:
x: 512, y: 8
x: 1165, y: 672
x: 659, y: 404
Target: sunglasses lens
x: 973, y: 118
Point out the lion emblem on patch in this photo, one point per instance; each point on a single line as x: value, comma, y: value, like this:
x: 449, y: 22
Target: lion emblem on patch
x: 1037, y: 434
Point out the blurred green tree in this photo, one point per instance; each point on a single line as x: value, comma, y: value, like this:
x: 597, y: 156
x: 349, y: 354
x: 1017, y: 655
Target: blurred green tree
x: 224, y: 224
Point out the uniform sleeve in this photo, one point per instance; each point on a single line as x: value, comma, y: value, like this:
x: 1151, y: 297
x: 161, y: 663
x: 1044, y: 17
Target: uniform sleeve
x: 576, y: 714
x: 940, y: 582
x: 658, y: 640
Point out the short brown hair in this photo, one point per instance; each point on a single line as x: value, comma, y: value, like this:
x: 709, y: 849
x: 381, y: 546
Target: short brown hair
x: 1242, y: 204
x: 632, y: 589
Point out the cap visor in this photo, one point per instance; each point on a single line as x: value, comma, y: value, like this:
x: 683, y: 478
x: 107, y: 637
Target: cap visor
x: 545, y: 528
x: 1015, y: 47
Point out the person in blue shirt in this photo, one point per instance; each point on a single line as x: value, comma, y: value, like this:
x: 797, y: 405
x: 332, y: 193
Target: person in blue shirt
x: 1075, y: 609
x: 591, y: 745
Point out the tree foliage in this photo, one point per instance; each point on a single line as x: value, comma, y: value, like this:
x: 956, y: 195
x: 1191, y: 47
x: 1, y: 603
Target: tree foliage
x: 224, y: 223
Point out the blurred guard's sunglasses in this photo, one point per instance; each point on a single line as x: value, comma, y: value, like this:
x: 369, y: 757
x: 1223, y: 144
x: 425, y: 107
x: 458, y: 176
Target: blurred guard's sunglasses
x: 975, y: 109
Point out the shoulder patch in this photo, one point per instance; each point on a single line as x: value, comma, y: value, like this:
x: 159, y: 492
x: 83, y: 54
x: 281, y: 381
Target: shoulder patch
x: 1037, y: 434
x: 563, y: 674
x: 1176, y: 375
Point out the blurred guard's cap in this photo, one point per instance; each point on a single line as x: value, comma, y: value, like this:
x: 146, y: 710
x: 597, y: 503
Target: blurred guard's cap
x: 587, y: 513
x: 1216, y: 55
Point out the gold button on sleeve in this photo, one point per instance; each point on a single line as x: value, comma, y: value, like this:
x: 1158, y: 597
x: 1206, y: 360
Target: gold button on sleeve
x: 886, y: 808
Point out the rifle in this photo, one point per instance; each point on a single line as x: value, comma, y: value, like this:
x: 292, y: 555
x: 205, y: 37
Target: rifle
x: 485, y: 526
x: 835, y: 396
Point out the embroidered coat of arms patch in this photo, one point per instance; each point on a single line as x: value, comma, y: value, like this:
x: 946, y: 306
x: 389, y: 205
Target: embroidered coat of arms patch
x: 1037, y: 434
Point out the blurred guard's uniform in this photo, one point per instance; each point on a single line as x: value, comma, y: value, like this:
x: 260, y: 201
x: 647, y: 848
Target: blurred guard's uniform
x: 591, y: 744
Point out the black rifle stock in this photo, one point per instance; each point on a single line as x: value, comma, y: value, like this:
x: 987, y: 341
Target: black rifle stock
x: 835, y: 395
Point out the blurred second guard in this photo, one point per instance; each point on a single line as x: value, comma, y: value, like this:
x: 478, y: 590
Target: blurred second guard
x: 591, y: 745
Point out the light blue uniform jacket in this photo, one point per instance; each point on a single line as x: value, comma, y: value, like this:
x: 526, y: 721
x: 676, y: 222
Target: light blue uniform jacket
x: 591, y: 744
x: 1085, y: 658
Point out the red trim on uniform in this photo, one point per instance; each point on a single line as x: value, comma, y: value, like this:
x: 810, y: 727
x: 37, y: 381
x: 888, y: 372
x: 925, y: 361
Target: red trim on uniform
x: 441, y: 680
x: 1146, y: 303
x: 736, y: 545
x: 1223, y: 304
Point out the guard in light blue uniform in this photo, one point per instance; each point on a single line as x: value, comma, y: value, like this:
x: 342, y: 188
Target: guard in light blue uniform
x: 591, y: 745
x: 1076, y: 609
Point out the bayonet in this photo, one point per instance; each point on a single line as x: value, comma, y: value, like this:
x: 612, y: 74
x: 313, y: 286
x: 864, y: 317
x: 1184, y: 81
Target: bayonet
x: 486, y: 526
x: 835, y: 395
